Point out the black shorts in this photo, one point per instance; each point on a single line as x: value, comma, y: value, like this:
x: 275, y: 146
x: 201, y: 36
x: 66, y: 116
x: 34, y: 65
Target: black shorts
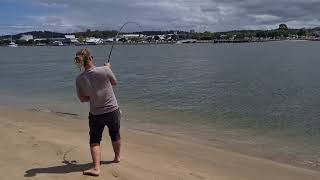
x: 98, y: 122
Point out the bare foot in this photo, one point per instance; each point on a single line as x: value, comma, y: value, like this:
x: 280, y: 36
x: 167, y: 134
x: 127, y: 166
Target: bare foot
x: 116, y: 160
x: 92, y: 172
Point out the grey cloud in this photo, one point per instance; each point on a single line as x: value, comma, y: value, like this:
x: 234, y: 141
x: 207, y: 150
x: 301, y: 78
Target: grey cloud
x: 201, y: 15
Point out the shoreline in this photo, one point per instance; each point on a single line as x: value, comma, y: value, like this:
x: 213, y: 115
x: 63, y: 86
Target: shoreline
x: 265, y: 147
x: 216, y: 41
x: 276, y: 150
x: 42, y: 139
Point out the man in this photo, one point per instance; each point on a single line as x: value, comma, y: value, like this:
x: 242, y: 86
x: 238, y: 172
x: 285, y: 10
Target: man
x: 94, y: 85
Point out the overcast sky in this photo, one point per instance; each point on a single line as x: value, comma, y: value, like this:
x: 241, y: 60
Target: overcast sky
x: 200, y: 15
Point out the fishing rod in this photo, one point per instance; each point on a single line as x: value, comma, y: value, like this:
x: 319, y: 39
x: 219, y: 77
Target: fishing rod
x: 115, y: 38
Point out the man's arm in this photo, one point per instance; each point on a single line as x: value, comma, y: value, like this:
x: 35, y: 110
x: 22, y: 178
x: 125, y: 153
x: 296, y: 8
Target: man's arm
x: 80, y: 96
x: 112, y: 77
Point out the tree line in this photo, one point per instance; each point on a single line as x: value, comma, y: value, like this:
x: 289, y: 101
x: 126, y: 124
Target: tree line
x: 282, y: 32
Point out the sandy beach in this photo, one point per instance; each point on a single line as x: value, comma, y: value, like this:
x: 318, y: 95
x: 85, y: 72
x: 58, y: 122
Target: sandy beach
x: 39, y: 145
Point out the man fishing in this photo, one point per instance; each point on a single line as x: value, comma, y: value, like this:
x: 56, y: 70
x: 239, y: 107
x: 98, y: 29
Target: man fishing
x: 94, y: 85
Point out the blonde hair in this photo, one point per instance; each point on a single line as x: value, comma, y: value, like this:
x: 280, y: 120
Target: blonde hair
x: 82, y: 57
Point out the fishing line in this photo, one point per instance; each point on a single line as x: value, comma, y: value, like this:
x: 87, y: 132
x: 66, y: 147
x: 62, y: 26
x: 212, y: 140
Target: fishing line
x: 115, y: 38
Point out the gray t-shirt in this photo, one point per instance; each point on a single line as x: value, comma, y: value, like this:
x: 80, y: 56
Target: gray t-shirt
x: 95, y: 83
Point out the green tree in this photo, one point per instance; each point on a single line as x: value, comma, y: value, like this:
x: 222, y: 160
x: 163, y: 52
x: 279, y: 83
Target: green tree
x: 30, y: 42
x: 81, y: 39
x: 302, y: 32
x: 21, y: 42
x: 283, y: 27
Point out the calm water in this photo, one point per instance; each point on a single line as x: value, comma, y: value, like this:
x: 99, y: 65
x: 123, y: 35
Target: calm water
x: 264, y: 95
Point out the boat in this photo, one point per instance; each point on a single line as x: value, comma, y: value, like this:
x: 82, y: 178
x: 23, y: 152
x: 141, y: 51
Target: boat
x: 93, y: 41
x: 57, y: 43
x: 12, y: 44
x: 186, y: 41
x: 40, y: 44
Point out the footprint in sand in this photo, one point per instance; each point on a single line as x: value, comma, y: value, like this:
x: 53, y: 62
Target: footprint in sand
x: 114, y: 174
x: 66, y: 154
x: 35, y: 145
x: 197, y: 175
x: 59, y: 152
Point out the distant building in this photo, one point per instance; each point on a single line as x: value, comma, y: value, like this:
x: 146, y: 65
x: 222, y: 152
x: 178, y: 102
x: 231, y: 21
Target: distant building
x: 70, y: 39
x: 192, y: 31
x: 39, y: 40
x: 130, y: 36
x: 26, y: 37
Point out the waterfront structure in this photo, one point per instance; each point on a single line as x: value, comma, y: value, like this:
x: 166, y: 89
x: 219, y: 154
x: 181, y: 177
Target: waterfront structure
x: 132, y: 36
x: 186, y: 41
x: 128, y: 36
x: 70, y: 39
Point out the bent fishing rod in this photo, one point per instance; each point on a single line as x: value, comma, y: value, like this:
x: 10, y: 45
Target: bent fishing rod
x: 115, y: 38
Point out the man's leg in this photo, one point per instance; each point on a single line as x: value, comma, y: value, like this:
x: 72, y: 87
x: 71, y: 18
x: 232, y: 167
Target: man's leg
x: 116, y: 148
x: 96, y: 129
x: 114, y: 132
x: 96, y: 157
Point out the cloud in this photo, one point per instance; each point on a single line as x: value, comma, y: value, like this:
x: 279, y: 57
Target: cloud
x: 201, y: 15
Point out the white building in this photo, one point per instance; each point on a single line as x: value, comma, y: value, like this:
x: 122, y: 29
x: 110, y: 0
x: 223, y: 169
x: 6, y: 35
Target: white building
x: 26, y: 37
x: 128, y: 36
x: 71, y: 39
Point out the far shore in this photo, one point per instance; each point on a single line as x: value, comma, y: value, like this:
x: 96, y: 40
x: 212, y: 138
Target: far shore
x: 187, y: 41
x: 42, y: 145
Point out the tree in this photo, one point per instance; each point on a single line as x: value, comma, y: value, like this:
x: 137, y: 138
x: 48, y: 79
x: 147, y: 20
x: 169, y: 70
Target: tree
x: 21, y: 42
x: 6, y: 41
x: 261, y: 34
x: 283, y: 27
x: 81, y: 39
x: 30, y: 42
x: 302, y: 32
x: 240, y: 36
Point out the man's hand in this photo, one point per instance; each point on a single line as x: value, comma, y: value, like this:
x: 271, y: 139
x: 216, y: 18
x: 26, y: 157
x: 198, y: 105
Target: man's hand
x: 108, y: 64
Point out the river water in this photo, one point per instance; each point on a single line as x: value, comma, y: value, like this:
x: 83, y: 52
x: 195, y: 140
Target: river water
x: 262, y: 98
